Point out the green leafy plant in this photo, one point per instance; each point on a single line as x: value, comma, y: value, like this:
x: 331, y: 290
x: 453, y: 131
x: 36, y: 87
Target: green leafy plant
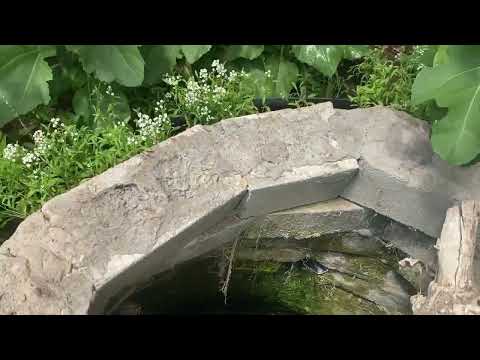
x: 103, y: 131
x: 36, y: 75
x: 325, y: 58
x: 385, y: 81
x: 62, y: 155
x: 209, y: 95
x: 453, y: 82
x: 25, y: 72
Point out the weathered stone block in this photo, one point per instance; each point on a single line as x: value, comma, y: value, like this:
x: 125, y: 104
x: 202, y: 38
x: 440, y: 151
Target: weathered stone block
x: 221, y: 234
x: 303, y: 185
x: 416, y: 244
x: 313, y: 220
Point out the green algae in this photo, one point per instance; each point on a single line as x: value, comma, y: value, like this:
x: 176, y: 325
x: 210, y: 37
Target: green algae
x: 362, y: 280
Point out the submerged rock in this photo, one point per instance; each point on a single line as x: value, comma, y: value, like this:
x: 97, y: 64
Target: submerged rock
x: 301, y: 291
x: 337, y: 215
x: 373, y: 279
x: 274, y: 254
x: 348, y: 243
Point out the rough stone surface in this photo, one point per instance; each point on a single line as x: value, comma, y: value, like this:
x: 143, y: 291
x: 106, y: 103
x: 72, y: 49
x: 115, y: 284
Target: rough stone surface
x: 400, y: 176
x: 370, y: 279
x: 101, y: 238
x: 414, y: 243
x: 170, y: 256
x: 221, y: 234
x: 87, y: 237
x: 299, y: 187
x: 348, y: 243
x: 367, y: 278
x: 313, y: 220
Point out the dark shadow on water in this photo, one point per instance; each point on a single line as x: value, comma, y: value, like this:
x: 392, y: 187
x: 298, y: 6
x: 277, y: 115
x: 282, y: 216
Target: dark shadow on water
x: 194, y: 288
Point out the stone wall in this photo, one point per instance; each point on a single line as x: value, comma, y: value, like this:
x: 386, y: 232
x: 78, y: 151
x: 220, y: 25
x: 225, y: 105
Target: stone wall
x: 87, y: 249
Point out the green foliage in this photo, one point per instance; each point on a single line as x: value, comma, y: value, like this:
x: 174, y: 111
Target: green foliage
x: 325, y: 58
x: 63, y: 155
x: 102, y: 132
x: 453, y: 82
x: 276, y: 78
x: 384, y: 81
x: 249, y: 52
x: 68, y: 75
x: 121, y: 63
x: 99, y: 104
x: 25, y: 73
x: 23, y: 79
x: 208, y: 96
x: 194, y: 52
x: 159, y: 60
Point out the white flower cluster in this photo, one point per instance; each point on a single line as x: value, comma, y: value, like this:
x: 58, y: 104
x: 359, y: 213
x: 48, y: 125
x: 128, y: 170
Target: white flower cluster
x: 109, y: 91
x: 203, y: 75
x: 172, y: 80
x: 160, y: 107
x: 38, y: 137
x: 41, y: 145
x: 29, y: 159
x: 194, y: 92
x: 149, y: 127
x: 11, y: 151
x: 206, y: 91
x: 233, y: 75
x: 219, y: 68
x: 56, y: 122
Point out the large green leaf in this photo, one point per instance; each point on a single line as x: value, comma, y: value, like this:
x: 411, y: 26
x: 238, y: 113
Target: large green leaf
x: 68, y: 74
x: 194, y: 52
x: 441, y: 55
x: 159, y: 59
x: 121, y: 63
x: 325, y: 58
x: 283, y: 75
x: 23, y: 79
x: 249, y: 52
x: 454, y: 85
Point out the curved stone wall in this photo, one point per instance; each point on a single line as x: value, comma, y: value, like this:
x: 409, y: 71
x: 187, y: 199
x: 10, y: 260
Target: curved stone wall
x: 89, y: 248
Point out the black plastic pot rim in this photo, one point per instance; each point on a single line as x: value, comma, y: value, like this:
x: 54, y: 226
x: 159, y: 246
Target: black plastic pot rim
x: 278, y: 103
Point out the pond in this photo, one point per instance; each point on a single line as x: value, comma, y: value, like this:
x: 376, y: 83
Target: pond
x: 267, y: 277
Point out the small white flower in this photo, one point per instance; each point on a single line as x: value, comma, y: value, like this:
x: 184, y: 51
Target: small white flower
x: 109, y: 91
x: 171, y: 80
x: 56, y: 123
x: 29, y: 159
x: 11, y: 151
x: 232, y: 76
x: 203, y: 74
x: 38, y: 137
